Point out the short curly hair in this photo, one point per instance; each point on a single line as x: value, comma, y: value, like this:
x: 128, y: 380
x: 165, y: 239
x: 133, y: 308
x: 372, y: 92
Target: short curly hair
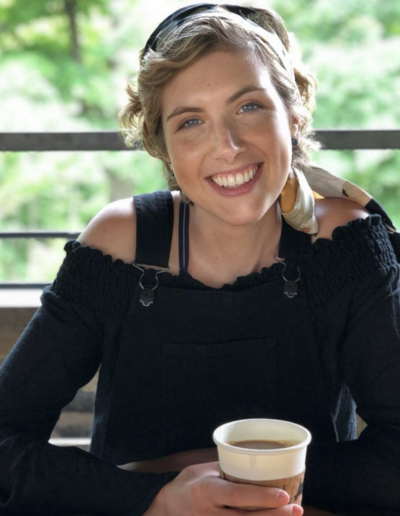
x: 199, y: 35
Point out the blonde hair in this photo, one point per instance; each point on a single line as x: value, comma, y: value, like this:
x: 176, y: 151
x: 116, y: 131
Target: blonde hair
x: 199, y: 35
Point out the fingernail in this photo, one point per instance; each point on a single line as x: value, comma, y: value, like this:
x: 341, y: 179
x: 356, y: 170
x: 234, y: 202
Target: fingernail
x: 297, y: 510
x: 284, y: 497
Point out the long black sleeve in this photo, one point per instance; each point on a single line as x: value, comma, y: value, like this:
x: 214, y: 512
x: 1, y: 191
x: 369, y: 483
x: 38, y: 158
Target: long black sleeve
x: 364, y: 474
x: 58, y: 352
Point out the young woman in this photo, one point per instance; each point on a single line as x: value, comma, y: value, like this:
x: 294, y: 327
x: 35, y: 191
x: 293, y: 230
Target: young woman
x: 235, y: 295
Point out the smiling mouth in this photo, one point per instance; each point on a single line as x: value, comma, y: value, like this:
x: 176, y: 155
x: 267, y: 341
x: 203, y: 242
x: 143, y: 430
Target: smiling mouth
x: 237, y: 179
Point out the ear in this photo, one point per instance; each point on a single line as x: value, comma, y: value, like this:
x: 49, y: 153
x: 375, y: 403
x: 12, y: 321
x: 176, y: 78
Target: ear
x: 295, y: 128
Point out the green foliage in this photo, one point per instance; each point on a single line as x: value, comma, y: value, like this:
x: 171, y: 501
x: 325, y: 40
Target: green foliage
x: 64, y: 65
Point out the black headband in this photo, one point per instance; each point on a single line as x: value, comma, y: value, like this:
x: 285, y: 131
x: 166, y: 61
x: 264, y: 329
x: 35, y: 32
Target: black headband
x: 179, y: 16
x: 248, y: 13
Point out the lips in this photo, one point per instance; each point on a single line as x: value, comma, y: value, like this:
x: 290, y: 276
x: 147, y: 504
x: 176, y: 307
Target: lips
x: 237, y: 179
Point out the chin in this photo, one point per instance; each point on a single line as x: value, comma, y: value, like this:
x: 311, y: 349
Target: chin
x: 245, y: 218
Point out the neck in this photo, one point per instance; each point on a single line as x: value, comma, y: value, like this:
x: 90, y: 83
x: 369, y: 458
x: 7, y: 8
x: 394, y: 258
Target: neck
x: 219, y: 252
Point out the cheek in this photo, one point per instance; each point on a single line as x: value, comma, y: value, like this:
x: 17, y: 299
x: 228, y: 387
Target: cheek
x: 186, y: 157
x: 283, y: 145
x: 182, y: 167
x: 180, y: 145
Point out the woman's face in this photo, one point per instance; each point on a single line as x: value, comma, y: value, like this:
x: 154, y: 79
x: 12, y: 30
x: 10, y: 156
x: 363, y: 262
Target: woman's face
x: 228, y: 136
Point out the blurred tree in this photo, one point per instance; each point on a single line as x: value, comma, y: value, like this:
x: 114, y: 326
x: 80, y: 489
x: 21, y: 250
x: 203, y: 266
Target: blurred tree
x: 60, y: 65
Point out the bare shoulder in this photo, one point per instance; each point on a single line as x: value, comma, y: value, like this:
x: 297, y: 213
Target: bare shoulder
x: 333, y: 212
x: 113, y: 230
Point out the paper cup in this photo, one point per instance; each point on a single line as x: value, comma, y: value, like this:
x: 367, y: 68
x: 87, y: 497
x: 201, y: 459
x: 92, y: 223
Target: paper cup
x: 281, y: 467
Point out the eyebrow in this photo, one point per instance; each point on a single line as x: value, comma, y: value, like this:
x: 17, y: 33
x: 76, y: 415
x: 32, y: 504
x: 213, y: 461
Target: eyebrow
x: 187, y: 109
x: 243, y: 91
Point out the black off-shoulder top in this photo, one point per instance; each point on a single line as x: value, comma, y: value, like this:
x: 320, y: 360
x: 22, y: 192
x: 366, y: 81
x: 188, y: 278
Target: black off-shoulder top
x: 343, y: 328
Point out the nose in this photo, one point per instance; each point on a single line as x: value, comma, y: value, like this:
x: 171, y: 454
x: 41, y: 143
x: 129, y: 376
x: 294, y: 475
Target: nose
x: 226, y: 141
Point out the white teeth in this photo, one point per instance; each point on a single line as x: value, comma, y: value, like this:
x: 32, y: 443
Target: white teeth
x: 239, y: 179
x: 233, y: 180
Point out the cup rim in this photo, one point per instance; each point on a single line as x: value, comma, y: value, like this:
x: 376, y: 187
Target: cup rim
x: 251, y: 451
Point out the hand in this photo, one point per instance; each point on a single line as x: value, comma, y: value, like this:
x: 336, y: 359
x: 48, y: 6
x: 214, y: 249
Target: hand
x: 200, y: 491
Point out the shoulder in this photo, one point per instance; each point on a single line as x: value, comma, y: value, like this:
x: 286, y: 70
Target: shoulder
x: 360, y: 247
x: 333, y: 212
x: 113, y: 230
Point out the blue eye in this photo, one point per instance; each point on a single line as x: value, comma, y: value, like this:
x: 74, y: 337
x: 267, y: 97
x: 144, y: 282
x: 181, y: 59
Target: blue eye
x: 190, y: 123
x: 249, y: 107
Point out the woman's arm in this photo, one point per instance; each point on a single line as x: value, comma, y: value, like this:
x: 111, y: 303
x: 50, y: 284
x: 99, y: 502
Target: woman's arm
x: 365, y: 474
x: 58, y: 352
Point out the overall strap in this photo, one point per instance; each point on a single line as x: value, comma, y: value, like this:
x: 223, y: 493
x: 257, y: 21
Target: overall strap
x: 154, y: 226
x: 292, y: 243
x: 184, y: 212
x: 291, y: 246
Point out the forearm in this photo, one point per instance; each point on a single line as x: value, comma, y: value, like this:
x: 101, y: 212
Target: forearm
x: 58, y: 353
x: 352, y: 477
x: 38, y: 478
x: 175, y: 462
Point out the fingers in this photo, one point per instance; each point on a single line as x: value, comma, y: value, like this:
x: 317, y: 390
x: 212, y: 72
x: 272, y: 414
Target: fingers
x: 287, y: 510
x: 249, y: 496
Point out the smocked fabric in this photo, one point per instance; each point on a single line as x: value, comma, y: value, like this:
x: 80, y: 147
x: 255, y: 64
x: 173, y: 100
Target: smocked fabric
x: 98, y: 282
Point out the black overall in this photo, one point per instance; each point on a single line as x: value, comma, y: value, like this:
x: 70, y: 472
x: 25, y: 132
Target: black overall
x: 198, y: 357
